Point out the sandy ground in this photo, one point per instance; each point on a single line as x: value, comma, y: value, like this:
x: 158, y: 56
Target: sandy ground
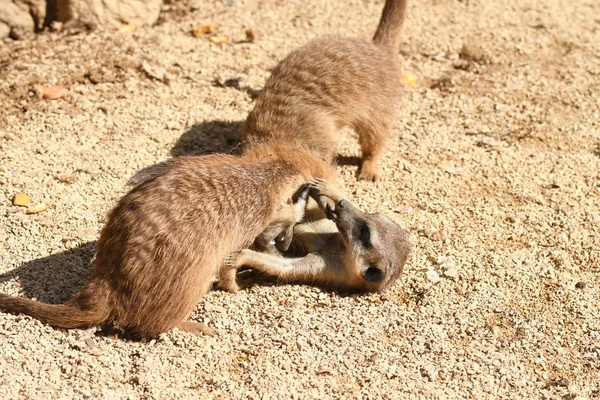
x: 495, y: 172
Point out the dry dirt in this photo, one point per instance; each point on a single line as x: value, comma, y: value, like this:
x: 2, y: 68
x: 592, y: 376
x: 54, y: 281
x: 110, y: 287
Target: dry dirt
x: 495, y: 172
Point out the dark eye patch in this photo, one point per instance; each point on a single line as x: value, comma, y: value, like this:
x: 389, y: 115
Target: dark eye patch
x: 364, y: 234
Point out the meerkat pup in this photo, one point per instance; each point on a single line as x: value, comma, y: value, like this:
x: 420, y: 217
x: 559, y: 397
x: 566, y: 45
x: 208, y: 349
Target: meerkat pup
x: 167, y: 238
x: 333, y: 82
x: 352, y: 251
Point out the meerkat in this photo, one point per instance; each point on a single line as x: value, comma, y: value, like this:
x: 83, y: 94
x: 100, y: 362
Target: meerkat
x: 168, y: 237
x: 350, y: 251
x: 333, y: 82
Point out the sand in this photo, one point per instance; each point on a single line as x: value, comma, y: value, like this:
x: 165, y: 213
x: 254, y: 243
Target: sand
x: 494, y: 171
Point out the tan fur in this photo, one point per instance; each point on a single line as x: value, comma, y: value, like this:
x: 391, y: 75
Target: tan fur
x: 165, y: 241
x: 357, y: 252
x: 333, y: 82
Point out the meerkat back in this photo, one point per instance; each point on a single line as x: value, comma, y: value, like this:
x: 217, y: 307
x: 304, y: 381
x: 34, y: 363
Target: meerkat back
x: 333, y: 82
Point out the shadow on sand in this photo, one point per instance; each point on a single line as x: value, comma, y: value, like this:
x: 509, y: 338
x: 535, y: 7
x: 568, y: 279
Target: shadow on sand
x: 209, y: 137
x: 56, y: 278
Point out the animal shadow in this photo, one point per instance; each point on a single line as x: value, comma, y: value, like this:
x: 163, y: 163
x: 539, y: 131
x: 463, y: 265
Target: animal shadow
x: 56, y: 278
x: 209, y: 137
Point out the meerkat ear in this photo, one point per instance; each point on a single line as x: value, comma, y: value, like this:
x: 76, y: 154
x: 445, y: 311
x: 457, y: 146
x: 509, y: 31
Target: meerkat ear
x: 148, y: 173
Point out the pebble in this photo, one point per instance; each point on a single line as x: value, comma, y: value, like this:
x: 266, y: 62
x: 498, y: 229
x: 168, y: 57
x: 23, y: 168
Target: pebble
x: 433, y: 276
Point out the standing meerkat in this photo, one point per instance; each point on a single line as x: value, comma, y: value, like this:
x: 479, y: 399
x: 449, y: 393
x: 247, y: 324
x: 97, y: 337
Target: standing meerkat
x: 333, y: 82
x: 166, y: 240
x: 352, y: 251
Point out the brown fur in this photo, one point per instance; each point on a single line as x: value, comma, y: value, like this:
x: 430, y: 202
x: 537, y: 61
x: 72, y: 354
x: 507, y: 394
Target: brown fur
x: 332, y: 82
x: 356, y: 252
x: 166, y: 239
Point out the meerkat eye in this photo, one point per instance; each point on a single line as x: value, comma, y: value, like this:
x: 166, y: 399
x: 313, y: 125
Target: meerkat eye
x: 365, y: 234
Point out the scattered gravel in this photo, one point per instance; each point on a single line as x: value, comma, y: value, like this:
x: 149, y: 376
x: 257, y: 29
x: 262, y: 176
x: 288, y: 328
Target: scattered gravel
x: 495, y: 172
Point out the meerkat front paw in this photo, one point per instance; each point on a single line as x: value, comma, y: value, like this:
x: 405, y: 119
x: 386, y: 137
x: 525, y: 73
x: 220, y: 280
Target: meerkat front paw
x: 321, y: 190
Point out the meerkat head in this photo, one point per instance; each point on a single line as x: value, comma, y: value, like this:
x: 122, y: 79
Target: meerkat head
x: 376, y: 246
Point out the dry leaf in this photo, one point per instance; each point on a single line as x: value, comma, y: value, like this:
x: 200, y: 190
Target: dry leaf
x: 202, y: 29
x: 218, y: 39
x: 250, y: 35
x: 20, y: 199
x: 53, y: 92
x: 37, y: 209
x: 126, y: 28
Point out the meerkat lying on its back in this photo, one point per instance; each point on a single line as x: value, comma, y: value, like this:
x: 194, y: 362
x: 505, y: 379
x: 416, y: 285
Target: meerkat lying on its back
x: 167, y: 238
x: 333, y: 82
x: 352, y: 251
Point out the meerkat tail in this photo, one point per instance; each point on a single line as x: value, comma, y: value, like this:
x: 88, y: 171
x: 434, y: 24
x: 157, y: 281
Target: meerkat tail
x: 71, y: 314
x: 390, y: 25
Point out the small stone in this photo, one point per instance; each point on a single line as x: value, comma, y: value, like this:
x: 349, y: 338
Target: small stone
x: 53, y: 92
x: 433, y: 276
x: 250, y: 35
x: 438, y: 236
x: 453, y: 170
x: 68, y: 179
x: 429, y: 372
x: 472, y: 52
x: 154, y: 71
x: 138, y: 380
x: 581, y: 285
x: 448, y: 264
x: 562, y: 382
x: 451, y: 272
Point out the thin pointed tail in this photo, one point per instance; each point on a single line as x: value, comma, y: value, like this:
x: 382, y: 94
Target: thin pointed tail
x: 390, y: 25
x: 86, y: 309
